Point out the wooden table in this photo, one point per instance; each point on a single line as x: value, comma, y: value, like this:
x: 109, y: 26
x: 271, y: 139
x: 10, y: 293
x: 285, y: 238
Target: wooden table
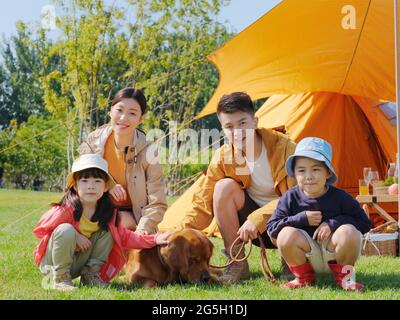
x: 373, y: 200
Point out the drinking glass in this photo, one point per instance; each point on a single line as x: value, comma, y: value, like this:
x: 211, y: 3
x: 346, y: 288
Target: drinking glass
x: 363, y: 187
x: 366, y: 172
x: 373, y: 176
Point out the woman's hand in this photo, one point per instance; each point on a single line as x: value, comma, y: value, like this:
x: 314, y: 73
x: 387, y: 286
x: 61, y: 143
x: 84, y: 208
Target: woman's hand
x: 322, y: 233
x: 118, y: 192
x: 161, y: 238
x: 82, y: 243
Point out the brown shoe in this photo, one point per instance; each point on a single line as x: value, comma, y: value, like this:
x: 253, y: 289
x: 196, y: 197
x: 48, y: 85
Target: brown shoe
x: 63, y: 281
x: 90, y: 277
x: 235, y: 271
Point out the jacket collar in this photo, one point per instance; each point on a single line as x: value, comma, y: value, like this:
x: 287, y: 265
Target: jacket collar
x: 139, y: 141
x: 275, y: 146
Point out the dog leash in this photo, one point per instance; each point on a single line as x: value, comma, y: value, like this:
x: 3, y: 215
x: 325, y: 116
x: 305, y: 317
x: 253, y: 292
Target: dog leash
x: 265, y: 266
x: 234, y: 258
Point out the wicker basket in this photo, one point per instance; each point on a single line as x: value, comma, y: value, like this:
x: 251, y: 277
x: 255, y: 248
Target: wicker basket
x: 380, y: 189
x: 380, y: 244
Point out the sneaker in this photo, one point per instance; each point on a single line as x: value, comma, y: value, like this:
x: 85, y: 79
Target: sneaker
x: 63, y: 282
x: 235, y: 271
x: 90, y: 277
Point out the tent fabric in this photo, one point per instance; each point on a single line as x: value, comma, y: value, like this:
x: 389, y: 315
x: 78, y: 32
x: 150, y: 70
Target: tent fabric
x: 360, y: 134
x: 311, y: 46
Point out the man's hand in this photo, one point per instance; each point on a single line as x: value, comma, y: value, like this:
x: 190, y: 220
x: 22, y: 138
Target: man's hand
x: 322, y: 233
x: 118, y: 193
x: 82, y: 243
x: 314, y: 217
x: 247, y: 231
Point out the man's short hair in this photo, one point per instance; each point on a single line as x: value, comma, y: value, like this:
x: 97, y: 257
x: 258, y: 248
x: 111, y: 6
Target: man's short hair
x: 234, y: 102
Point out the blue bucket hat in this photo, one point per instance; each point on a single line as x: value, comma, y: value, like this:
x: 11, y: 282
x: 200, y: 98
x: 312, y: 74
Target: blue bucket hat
x: 314, y: 148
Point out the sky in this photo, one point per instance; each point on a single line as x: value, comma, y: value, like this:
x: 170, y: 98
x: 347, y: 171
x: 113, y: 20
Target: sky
x: 239, y: 14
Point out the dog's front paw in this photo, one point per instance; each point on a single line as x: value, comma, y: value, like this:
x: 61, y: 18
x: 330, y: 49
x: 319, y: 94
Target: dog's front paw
x: 149, y: 284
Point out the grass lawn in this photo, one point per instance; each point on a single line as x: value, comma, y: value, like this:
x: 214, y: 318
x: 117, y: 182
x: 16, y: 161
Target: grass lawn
x: 21, y: 279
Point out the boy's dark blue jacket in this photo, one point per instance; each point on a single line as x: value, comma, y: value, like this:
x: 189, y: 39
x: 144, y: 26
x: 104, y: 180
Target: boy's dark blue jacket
x: 337, y: 208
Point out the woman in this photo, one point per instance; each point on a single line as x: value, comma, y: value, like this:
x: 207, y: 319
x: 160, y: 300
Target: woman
x: 139, y: 193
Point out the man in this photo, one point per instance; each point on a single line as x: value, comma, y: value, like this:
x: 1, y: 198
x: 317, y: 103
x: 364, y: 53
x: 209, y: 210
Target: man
x: 243, y: 182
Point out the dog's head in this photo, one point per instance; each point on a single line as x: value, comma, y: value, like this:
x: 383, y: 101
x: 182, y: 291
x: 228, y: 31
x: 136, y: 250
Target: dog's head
x: 188, y: 254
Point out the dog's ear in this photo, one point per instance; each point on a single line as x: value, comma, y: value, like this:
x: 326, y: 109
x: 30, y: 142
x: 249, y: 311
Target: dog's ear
x: 176, y: 254
x: 210, y: 244
x: 210, y: 247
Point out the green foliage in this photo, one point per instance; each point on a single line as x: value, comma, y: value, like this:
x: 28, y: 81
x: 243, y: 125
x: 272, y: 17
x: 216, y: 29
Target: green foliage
x: 89, y: 50
x: 20, y: 92
x: 37, y: 149
x: 389, y: 181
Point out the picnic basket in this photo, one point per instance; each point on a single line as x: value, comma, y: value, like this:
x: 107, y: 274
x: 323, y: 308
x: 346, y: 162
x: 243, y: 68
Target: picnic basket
x: 378, y: 243
x: 378, y: 187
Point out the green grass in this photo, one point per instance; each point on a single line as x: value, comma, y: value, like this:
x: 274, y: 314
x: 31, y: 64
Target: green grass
x: 21, y: 279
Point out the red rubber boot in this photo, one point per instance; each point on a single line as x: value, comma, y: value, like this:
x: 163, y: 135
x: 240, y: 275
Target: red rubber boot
x: 304, y: 274
x: 343, y: 277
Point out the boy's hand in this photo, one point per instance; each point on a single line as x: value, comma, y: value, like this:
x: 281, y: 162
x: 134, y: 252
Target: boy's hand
x: 82, y: 243
x: 314, y: 217
x: 247, y: 231
x: 161, y: 238
x: 322, y: 233
x: 118, y: 193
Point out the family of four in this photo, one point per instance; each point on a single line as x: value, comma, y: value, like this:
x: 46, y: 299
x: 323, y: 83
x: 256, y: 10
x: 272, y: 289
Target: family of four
x: 259, y: 183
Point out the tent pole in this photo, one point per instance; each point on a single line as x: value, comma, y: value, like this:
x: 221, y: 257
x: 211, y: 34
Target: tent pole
x: 396, y: 47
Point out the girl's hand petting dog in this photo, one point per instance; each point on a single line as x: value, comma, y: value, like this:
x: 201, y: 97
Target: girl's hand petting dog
x: 161, y: 238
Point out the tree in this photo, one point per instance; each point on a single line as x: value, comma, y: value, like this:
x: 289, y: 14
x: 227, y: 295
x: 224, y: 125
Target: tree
x: 20, y: 91
x: 88, y: 48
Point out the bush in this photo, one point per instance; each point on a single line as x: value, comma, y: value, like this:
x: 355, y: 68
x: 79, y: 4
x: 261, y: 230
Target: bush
x: 37, y: 150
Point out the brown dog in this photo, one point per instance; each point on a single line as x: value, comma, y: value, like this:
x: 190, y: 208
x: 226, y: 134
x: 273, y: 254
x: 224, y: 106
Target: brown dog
x: 185, y: 259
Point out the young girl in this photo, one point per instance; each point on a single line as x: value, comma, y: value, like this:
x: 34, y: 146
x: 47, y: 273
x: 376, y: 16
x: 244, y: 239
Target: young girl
x: 81, y: 235
x: 317, y: 227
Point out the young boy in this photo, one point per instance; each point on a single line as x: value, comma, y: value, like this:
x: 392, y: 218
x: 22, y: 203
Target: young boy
x: 243, y: 182
x: 317, y: 227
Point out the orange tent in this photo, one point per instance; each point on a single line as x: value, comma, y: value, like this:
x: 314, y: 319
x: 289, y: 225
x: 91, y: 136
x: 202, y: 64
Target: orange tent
x: 312, y: 46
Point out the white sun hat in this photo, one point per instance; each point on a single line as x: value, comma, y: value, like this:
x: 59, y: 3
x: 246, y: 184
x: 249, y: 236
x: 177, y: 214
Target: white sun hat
x: 87, y: 161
